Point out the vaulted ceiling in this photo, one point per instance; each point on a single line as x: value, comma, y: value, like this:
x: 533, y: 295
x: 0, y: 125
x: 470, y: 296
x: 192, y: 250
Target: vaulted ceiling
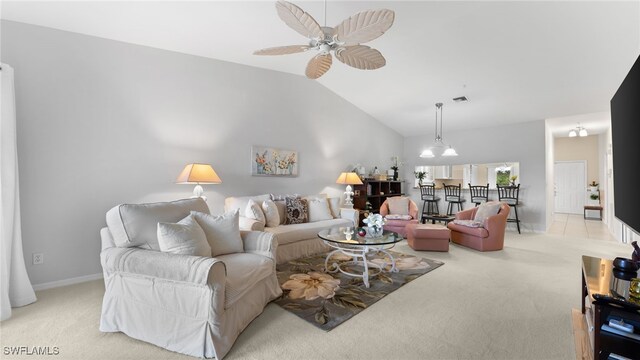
x: 516, y: 61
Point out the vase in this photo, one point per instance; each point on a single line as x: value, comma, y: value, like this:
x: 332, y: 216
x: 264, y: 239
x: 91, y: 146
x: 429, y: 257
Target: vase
x: 374, y: 231
x: 395, y: 175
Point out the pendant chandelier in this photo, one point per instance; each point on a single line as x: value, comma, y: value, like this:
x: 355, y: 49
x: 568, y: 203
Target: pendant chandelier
x: 578, y: 131
x: 439, y: 145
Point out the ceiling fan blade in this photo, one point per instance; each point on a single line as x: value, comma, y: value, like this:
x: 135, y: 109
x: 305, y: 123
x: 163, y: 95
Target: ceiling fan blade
x: 282, y: 50
x: 364, y: 26
x: 318, y: 65
x: 299, y: 20
x: 361, y: 57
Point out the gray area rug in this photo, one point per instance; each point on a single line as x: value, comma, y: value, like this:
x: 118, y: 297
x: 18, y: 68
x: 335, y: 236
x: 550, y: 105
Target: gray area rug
x: 327, y: 299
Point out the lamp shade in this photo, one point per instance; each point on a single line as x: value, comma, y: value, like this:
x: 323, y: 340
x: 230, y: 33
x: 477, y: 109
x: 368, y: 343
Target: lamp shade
x: 198, y: 174
x: 450, y: 152
x: 427, y: 154
x: 572, y: 133
x: 583, y: 132
x: 349, y: 178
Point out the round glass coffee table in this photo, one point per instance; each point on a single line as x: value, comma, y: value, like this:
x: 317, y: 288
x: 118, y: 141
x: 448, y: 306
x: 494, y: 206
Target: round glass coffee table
x: 345, y: 240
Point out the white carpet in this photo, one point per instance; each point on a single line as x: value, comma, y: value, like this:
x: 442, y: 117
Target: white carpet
x: 510, y: 304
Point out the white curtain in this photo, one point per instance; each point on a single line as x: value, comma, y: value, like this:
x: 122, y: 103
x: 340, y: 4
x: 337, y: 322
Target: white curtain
x: 15, y: 287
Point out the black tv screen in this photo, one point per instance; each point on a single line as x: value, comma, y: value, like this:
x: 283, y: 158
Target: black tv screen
x: 625, y: 133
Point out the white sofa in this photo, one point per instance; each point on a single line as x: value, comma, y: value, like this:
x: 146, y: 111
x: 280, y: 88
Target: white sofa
x: 294, y: 240
x: 188, y: 304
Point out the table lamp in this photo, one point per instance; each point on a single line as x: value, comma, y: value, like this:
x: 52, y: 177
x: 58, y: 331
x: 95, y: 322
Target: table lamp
x: 348, y: 178
x: 198, y: 174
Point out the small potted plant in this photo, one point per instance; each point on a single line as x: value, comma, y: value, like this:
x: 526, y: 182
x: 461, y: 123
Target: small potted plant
x: 593, y: 186
x: 513, y: 179
x: 594, y: 196
x: 420, y: 175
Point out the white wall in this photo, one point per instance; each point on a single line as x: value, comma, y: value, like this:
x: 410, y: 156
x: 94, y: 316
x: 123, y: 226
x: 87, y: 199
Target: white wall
x: 102, y: 122
x: 549, y: 170
x: 522, y: 142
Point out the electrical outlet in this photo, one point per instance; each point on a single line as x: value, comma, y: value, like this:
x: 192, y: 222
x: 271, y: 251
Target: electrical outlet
x: 38, y: 258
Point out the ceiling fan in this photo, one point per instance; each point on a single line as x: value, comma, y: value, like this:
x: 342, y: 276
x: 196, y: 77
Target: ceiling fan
x: 344, y: 40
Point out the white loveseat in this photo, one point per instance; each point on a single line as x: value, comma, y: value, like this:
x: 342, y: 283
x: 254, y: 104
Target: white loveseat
x: 294, y: 240
x: 188, y: 304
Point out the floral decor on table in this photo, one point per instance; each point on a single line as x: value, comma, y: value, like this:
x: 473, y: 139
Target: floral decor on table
x: 374, y: 225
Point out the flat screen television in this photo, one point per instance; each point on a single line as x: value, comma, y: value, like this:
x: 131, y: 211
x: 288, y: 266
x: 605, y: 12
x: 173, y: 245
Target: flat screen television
x: 625, y: 133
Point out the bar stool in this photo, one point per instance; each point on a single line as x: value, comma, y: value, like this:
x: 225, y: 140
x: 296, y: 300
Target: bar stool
x: 429, y: 200
x: 479, y: 193
x: 453, y: 194
x: 509, y: 194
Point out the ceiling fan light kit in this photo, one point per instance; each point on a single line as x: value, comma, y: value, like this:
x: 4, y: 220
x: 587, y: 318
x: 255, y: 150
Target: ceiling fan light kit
x: 344, y: 41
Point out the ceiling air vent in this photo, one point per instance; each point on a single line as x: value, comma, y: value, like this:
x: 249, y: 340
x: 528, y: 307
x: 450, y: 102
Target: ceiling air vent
x: 460, y: 99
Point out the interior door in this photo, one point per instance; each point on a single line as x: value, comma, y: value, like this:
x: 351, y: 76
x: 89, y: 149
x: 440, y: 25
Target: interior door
x: 570, y: 186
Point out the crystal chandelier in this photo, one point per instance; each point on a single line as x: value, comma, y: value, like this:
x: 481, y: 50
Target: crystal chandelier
x: 439, y: 144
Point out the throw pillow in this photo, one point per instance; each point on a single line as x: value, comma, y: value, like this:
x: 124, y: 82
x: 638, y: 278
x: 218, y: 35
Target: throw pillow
x: 297, y: 211
x: 334, y: 205
x: 282, y: 197
x: 185, y: 237
x: 271, y: 213
x: 319, y: 210
x: 223, y: 232
x: 468, y: 223
x: 282, y: 210
x: 398, y: 205
x: 485, y: 210
x: 254, y: 211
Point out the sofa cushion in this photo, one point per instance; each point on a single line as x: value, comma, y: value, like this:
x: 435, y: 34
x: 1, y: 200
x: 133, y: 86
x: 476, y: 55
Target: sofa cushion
x: 223, y: 232
x: 254, y: 211
x: 319, y: 210
x: 477, y: 232
x: 244, y: 271
x: 485, y: 210
x: 240, y: 202
x: 398, y: 205
x: 295, y: 232
x: 282, y: 197
x: 137, y: 224
x: 271, y: 213
x: 282, y: 210
x: 185, y: 237
x: 297, y: 211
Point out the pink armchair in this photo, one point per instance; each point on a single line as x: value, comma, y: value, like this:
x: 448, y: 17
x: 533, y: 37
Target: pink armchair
x: 488, y: 237
x: 399, y: 225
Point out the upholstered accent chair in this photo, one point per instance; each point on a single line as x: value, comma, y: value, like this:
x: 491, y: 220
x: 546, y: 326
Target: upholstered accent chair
x: 194, y: 305
x: 485, y: 236
x: 396, y: 220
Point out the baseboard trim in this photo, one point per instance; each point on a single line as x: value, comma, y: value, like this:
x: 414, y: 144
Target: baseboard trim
x: 65, y: 282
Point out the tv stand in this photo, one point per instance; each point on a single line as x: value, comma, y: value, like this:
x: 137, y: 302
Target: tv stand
x: 600, y: 304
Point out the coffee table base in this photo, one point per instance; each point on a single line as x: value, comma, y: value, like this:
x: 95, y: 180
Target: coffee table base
x: 359, y: 255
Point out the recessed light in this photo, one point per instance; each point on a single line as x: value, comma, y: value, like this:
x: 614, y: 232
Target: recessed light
x: 460, y: 99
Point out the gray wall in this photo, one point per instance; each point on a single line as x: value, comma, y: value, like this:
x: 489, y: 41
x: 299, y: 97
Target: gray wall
x: 102, y: 122
x: 521, y: 142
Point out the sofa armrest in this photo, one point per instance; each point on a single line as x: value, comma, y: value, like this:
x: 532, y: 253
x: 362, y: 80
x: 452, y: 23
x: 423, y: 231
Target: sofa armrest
x: 466, y: 214
x: 166, y: 266
x: 260, y: 243
x: 350, y: 214
x: 247, y: 224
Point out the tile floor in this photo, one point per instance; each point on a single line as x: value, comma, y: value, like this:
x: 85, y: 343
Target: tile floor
x: 576, y: 226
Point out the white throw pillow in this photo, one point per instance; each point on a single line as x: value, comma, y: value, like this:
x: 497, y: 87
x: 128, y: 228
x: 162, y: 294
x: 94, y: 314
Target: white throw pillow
x: 254, y: 211
x: 334, y: 206
x: 223, y: 232
x: 486, y: 210
x: 319, y: 209
x: 282, y: 210
x: 398, y: 205
x: 271, y: 213
x: 185, y: 237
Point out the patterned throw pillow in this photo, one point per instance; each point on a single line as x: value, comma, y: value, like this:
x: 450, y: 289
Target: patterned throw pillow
x: 486, y: 210
x: 297, y: 211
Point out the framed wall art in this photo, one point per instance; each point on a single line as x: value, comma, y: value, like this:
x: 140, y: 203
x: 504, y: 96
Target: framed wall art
x: 268, y: 161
